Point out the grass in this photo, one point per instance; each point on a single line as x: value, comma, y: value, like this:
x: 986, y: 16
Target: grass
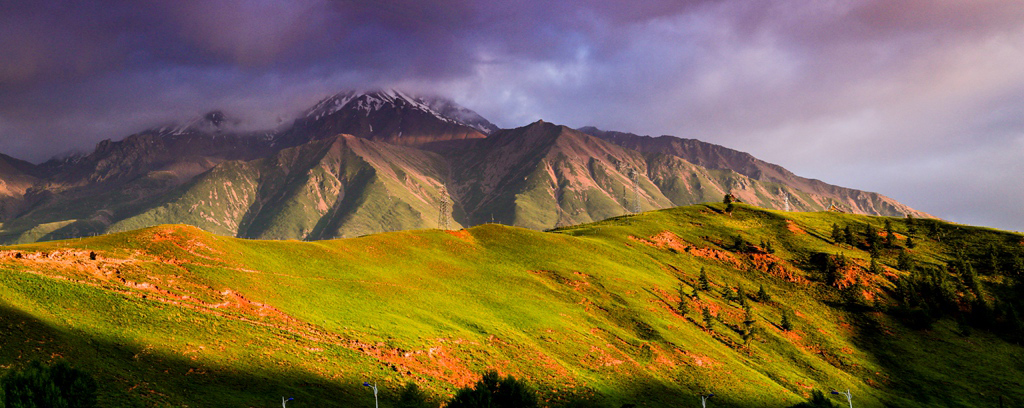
x: 174, y: 316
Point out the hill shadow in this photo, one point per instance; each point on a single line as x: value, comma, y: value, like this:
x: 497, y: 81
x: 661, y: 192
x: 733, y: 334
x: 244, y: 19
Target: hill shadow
x: 132, y: 376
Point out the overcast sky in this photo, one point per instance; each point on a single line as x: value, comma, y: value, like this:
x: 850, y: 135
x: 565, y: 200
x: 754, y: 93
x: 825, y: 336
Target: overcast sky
x: 920, y: 100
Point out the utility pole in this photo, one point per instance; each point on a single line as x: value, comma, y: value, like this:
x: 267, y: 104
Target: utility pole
x: 849, y: 397
x: 704, y: 400
x: 374, y: 387
x: 284, y: 402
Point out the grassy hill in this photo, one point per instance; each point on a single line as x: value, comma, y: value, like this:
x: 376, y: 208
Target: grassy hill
x: 173, y: 316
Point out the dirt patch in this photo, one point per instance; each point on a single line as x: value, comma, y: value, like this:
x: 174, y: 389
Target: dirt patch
x: 792, y: 227
x: 775, y: 266
x: 461, y: 234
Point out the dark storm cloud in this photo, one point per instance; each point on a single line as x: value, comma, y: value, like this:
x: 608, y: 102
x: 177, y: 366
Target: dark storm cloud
x: 872, y: 94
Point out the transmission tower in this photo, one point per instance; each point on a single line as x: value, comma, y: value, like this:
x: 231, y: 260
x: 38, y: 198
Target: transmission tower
x: 443, y: 209
x: 636, y: 190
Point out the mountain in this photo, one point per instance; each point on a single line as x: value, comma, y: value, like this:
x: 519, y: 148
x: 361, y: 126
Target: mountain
x: 308, y: 181
x: 588, y: 315
x: 16, y: 177
x: 715, y: 157
x: 335, y: 187
x: 389, y: 116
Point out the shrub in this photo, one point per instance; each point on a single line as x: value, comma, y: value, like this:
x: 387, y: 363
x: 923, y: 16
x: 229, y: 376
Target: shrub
x: 56, y: 386
x: 412, y: 397
x: 493, y: 391
x: 817, y: 400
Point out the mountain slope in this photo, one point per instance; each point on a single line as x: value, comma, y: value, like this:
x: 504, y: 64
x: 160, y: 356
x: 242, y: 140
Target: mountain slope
x: 713, y: 156
x: 388, y: 116
x: 172, y: 315
x: 292, y: 184
x: 341, y: 186
x: 16, y: 177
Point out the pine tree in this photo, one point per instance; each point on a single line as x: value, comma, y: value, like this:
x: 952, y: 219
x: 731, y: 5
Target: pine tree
x: 911, y: 225
x: 837, y: 234
x: 890, y: 235
x: 708, y: 318
x: 741, y: 294
x: 748, y: 324
x: 903, y: 261
x: 786, y: 324
x: 910, y: 243
x: 875, y: 267
x: 762, y: 295
x: 992, y: 260
x: 848, y: 234
x: 871, y: 235
x: 682, y: 307
x: 702, y: 281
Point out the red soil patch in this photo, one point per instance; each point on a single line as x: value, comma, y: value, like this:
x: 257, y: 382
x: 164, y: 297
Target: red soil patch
x: 792, y: 227
x: 775, y: 266
x: 461, y: 234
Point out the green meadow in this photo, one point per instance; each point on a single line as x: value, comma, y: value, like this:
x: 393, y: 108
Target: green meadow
x: 601, y: 314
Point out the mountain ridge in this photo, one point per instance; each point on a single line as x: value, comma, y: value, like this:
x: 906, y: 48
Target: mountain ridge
x: 540, y: 176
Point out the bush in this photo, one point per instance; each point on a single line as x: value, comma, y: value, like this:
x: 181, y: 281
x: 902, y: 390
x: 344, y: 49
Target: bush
x: 56, y: 386
x: 493, y: 391
x: 817, y: 400
x: 412, y: 397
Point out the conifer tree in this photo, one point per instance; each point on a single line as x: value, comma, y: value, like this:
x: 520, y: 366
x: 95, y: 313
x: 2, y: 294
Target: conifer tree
x: 762, y: 295
x: 871, y: 235
x: 848, y: 234
x: 748, y: 324
x: 911, y: 225
x: 910, y: 243
x: 875, y: 267
x: 741, y: 294
x: 703, y: 280
x: 837, y: 234
x: 786, y: 324
x: 682, y: 307
x: 708, y: 318
x: 890, y: 235
x: 903, y: 261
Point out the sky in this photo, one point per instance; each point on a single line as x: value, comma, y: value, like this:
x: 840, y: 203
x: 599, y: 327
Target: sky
x: 920, y: 100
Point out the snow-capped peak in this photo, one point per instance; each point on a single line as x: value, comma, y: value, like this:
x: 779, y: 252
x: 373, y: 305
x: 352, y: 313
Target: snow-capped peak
x: 371, y: 101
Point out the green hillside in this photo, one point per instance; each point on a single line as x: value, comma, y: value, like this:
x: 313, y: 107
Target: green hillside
x: 175, y: 316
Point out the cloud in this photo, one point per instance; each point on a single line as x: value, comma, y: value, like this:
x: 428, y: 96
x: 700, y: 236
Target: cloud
x: 871, y: 94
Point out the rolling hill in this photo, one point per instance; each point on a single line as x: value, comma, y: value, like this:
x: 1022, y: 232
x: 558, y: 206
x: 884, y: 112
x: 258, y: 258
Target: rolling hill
x: 590, y: 314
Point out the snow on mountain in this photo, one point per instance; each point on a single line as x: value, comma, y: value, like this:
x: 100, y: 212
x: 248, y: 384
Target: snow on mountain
x: 372, y: 101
